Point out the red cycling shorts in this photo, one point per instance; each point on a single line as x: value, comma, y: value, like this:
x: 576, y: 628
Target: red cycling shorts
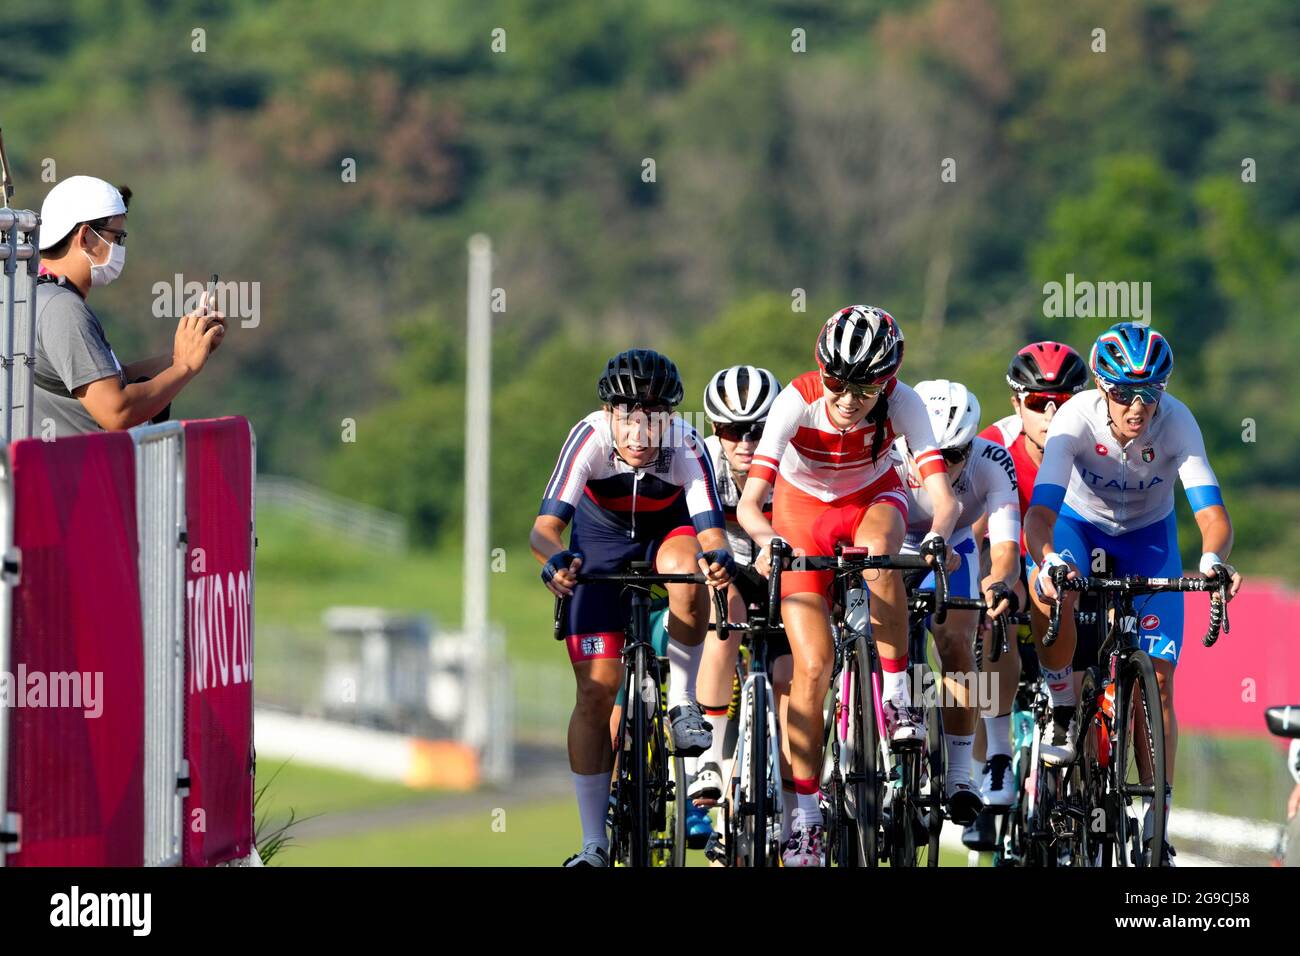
x: 813, y: 527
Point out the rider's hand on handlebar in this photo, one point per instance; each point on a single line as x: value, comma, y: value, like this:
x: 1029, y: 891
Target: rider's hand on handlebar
x: 997, y: 596
x: 1043, y: 581
x: 763, y: 562
x: 933, y: 546
x: 1208, y: 564
x: 560, y: 573
x: 718, y: 566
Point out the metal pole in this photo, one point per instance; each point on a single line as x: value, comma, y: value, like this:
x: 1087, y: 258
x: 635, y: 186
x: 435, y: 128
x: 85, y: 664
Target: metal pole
x: 478, y: 372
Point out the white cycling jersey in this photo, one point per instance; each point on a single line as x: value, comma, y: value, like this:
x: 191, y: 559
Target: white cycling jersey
x: 987, y: 485
x: 1122, y: 489
x: 821, y: 460
x: 742, y: 545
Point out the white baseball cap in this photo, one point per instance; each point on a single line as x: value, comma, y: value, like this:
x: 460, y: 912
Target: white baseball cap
x: 77, y: 199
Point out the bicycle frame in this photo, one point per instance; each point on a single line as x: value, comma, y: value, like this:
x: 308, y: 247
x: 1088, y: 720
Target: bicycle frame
x: 1107, y: 713
x: 642, y: 786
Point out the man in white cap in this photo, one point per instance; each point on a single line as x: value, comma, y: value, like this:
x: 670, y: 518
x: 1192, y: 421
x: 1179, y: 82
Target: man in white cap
x: 80, y: 384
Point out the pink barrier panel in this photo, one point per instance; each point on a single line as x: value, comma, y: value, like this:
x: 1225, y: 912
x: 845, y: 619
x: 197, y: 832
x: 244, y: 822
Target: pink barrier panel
x: 219, y: 641
x: 1225, y: 688
x: 76, y: 769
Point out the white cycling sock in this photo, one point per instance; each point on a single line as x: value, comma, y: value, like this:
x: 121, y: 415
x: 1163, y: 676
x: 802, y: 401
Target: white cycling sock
x: 808, y: 806
x: 958, y: 748
x: 894, y: 687
x: 1060, y: 686
x: 683, y: 665
x: 997, y: 730
x: 789, y: 800
x: 719, y: 721
x: 593, y: 807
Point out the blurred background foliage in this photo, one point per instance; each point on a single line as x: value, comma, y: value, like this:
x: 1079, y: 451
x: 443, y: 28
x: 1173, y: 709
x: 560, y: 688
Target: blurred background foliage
x: 775, y: 171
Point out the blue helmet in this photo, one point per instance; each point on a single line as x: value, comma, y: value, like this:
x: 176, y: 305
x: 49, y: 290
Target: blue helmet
x: 1129, y: 354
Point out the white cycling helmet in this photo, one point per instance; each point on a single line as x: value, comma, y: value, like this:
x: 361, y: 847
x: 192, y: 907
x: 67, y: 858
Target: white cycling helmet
x: 954, y: 411
x: 740, y: 395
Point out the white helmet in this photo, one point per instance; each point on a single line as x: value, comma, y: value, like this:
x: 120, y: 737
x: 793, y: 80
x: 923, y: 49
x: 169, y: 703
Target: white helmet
x: 954, y: 411
x: 740, y: 395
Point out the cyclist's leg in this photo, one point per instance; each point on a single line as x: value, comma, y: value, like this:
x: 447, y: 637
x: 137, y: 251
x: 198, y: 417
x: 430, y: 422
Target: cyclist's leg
x: 713, y: 692
x: 1153, y: 552
x: 954, y: 643
x: 688, y: 620
x: 1073, y: 539
x: 594, y: 635
x: 881, y: 529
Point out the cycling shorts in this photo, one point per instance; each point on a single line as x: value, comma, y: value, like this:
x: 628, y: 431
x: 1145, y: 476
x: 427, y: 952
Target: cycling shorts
x: 1151, y: 551
x: 813, y: 527
x: 596, y: 616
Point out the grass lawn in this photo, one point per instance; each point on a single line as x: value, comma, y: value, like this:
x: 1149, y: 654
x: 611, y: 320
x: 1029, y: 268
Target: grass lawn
x: 302, y: 570
x: 312, y: 791
x: 540, y: 834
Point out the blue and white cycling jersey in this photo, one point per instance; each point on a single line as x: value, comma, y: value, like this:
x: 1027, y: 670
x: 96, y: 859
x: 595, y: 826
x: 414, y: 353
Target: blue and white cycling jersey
x: 1120, y: 500
x: 1122, y: 489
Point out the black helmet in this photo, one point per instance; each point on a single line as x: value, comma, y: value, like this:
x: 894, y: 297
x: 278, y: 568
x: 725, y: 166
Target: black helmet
x: 860, y: 344
x: 640, y: 375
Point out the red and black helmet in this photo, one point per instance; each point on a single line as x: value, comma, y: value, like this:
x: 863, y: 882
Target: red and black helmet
x: 1047, y: 367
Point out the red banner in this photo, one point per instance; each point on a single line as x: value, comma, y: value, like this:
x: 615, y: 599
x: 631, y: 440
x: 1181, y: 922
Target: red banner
x: 75, y: 690
x: 218, y: 641
x: 1225, y: 688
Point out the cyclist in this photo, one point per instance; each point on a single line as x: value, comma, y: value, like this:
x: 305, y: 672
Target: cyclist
x: 1106, y: 483
x: 736, y: 403
x: 825, y: 455
x: 983, y: 479
x: 1043, y: 376
x: 636, y: 482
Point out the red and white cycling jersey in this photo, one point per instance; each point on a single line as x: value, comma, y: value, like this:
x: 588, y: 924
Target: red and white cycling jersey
x: 800, y: 443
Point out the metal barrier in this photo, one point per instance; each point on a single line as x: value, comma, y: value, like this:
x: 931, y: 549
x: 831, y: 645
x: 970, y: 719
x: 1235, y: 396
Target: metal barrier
x: 160, y: 510
x: 20, y: 258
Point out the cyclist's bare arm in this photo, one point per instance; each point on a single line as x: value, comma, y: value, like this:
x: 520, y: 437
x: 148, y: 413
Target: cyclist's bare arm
x: 749, y: 512
x: 545, y: 540
x: 1216, y: 537
x: 1005, y: 568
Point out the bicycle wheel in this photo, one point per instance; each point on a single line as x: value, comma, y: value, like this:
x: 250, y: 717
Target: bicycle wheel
x: 1139, y: 763
x: 863, y: 778
x: 935, y: 757
x: 638, y: 765
x: 755, y: 810
x: 1090, y: 845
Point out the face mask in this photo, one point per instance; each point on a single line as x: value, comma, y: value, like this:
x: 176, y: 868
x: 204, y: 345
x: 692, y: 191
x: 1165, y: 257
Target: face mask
x: 104, y: 273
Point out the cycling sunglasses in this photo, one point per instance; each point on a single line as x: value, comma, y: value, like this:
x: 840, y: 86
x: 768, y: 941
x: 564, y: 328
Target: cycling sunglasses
x: 628, y: 407
x: 1124, y: 394
x: 1038, y: 401
x: 955, y: 456
x: 740, y: 432
x: 838, y: 386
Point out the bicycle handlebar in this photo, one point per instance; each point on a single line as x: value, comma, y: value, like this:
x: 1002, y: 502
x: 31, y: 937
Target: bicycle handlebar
x: 1137, y: 585
x: 923, y: 602
x: 644, y: 579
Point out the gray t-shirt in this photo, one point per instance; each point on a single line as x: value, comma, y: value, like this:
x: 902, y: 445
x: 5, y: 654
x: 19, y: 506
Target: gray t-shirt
x: 71, y: 351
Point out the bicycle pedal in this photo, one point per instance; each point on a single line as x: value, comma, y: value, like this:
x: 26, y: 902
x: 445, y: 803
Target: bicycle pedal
x: 715, y: 851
